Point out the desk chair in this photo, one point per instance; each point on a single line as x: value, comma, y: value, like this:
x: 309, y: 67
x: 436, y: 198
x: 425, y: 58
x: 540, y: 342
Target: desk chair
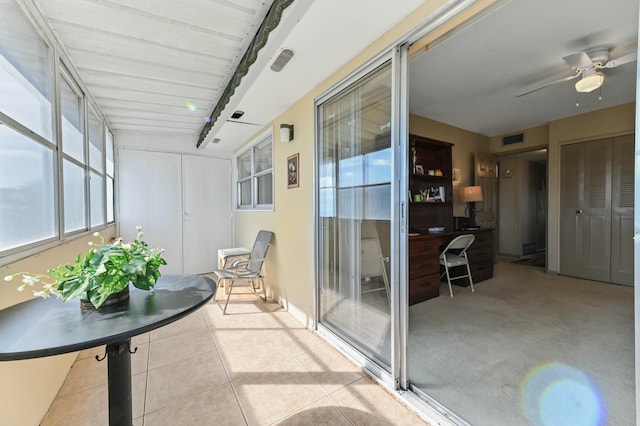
x: 455, y: 254
x: 247, y: 269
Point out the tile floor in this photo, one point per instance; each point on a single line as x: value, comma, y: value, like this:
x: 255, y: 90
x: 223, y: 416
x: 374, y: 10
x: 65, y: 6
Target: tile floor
x: 256, y: 366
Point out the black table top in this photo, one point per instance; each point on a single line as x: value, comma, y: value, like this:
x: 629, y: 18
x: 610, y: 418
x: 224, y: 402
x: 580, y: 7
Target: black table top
x: 44, y: 327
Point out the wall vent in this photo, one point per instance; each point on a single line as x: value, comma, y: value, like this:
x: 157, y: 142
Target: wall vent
x: 509, y: 140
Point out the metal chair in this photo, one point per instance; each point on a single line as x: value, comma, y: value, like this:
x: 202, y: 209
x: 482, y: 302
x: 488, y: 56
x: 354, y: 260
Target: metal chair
x: 458, y: 257
x: 247, y: 269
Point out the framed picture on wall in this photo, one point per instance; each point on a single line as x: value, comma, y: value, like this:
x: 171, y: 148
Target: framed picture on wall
x: 293, y: 171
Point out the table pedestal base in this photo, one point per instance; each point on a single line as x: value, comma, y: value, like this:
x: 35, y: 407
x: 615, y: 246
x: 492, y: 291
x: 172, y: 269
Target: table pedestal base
x: 119, y: 372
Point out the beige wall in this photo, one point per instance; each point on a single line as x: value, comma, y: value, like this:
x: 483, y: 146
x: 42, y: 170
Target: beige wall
x: 615, y: 121
x: 290, y: 262
x: 28, y: 387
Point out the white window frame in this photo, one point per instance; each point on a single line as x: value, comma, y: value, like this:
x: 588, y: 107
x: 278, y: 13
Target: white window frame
x: 62, y: 69
x: 266, y: 137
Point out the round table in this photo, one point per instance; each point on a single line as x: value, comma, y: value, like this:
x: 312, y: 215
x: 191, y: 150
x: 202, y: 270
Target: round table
x: 43, y: 327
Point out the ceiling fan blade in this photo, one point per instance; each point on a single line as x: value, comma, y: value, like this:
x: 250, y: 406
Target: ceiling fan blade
x: 578, y: 60
x: 624, y: 59
x: 571, y: 77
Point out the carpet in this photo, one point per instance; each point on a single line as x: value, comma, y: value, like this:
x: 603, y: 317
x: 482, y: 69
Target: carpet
x: 489, y: 356
x: 537, y: 259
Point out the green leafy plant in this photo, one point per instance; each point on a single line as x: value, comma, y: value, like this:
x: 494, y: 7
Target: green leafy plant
x: 105, y: 270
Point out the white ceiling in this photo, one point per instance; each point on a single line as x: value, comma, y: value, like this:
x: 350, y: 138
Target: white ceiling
x: 471, y: 79
x: 155, y: 65
x: 160, y: 66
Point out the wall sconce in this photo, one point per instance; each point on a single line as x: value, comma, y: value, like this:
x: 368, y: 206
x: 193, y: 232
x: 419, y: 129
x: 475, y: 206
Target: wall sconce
x: 286, y: 132
x: 471, y: 194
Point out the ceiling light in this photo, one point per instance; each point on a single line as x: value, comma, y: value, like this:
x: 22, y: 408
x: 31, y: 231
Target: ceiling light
x: 590, y: 82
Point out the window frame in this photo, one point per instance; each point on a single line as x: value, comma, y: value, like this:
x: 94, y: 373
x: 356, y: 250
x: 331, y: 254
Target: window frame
x: 61, y: 71
x: 262, y: 140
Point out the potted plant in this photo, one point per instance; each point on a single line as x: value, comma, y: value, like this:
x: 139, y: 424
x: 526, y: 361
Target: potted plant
x: 102, y: 275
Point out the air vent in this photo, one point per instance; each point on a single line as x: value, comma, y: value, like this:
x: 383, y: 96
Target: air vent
x: 282, y: 60
x: 509, y: 140
x: 237, y: 114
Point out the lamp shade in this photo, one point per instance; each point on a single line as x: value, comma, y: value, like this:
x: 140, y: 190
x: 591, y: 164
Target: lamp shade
x: 471, y: 194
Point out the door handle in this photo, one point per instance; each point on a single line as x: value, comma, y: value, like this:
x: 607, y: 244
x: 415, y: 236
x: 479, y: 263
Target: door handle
x: 578, y: 211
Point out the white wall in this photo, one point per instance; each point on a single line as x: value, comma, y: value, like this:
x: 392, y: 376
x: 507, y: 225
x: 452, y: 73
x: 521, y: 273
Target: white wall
x: 182, y: 199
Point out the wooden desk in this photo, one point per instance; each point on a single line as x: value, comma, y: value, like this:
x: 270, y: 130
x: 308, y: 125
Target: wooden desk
x: 424, y: 263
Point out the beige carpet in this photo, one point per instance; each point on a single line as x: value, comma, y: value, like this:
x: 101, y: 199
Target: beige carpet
x: 528, y: 348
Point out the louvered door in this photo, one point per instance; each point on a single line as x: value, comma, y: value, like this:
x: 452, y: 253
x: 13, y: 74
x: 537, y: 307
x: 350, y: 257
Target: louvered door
x: 622, y: 211
x: 596, y: 231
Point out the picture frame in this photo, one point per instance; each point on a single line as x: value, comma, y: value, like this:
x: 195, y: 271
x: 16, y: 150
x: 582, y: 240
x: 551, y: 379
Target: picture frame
x: 419, y: 169
x: 456, y: 175
x: 293, y: 171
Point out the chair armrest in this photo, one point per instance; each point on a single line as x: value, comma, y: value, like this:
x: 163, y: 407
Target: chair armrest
x: 244, y: 263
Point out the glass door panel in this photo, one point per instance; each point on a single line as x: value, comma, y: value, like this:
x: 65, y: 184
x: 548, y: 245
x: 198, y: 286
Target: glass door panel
x: 355, y: 163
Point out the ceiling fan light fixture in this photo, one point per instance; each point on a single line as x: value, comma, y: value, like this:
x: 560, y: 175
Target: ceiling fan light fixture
x: 590, y: 82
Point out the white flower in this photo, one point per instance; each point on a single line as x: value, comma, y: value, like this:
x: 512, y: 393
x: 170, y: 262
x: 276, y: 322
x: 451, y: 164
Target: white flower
x: 8, y: 277
x: 29, y: 280
x: 41, y: 293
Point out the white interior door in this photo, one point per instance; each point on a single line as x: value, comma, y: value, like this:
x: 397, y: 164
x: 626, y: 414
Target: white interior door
x: 206, y: 192
x: 150, y: 195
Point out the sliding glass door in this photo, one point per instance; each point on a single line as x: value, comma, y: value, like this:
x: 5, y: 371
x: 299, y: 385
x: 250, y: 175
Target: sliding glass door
x: 355, y: 166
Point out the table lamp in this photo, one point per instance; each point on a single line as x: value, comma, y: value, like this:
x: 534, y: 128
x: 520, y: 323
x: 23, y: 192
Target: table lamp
x: 471, y: 194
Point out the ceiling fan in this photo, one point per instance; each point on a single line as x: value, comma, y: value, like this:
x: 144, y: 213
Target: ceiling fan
x: 587, y: 65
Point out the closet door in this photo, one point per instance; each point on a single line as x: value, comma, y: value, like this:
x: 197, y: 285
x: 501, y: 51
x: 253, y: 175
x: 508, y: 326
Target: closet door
x: 206, y: 217
x: 150, y: 195
x: 585, y: 240
x: 622, y: 211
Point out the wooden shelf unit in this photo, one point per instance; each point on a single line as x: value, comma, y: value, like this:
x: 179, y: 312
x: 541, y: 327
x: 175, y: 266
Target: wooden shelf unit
x: 424, y: 249
x: 431, y: 155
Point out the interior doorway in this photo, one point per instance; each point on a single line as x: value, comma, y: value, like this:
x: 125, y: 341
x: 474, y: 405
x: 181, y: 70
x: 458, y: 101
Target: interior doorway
x: 522, y: 207
x: 483, y: 357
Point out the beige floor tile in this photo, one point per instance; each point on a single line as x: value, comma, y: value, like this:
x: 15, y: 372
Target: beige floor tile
x: 140, y: 339
x: 92, y: 352
x: 321, y: 413
x: 139, y: 359
x: 178, y: 347
x: 85, y: 373
x: 192, y: 322
x: 138, y: 390
x: 366, y: 403
x: 246, y: 351
x: 217, y: 406
x: 187, y: 377
x: 90, y: 407
x: 330, y: 369
x: 266, y: 396
x: 298, y: 340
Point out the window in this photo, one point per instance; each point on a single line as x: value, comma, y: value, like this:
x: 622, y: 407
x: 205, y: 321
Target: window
x: 254, y: 171
x: 56, y: 155
x: 73, y: 168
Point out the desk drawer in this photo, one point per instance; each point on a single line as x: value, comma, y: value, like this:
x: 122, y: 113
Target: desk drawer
x: 419, y: 267
x: 424, y: 288
x: 481, y: 271
x: 480, y: 254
